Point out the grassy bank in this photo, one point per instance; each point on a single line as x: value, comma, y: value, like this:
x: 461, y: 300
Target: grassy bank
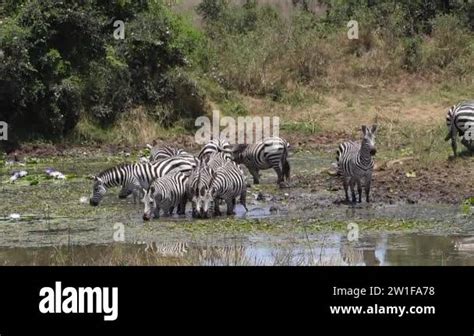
x: 409, y: 63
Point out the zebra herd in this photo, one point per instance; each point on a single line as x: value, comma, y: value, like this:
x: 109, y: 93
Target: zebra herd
x: 172, y: 177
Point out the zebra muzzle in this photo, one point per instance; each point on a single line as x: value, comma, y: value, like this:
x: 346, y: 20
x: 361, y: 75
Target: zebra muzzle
x: 146, y: 217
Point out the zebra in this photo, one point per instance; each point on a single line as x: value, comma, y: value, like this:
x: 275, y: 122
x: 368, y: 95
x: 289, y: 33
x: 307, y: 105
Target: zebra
x: 135, y: 176
x: 214, y: 146
x: 166, y: 193
x: 460, y: 121
x: 271, y: 152
x: 199, y: 182
x: 355, y: 163
x: 227, y: 183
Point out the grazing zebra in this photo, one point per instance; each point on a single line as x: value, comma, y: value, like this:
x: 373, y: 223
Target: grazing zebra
x: 355, y: 163
x: 135, y: 176
x: 227, y: 183
x: 214, y: 146
x: 199, y: 182
x: 268, y: 153
x: 460, y: 121
x: 166, y: 193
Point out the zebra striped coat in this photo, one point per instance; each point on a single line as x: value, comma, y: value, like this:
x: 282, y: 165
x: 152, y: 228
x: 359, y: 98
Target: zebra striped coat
x: 227, y: 183
x: 217, y: 160
x: 460, y: 122
x: 356, y: 165
x: 166, y: 152
x: 214, y: 146
x: 166, y: 193
x: 135, y: 176
x: 268, y: 153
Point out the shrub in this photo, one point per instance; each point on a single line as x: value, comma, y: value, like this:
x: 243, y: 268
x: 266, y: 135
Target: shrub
x: 450, y: 44
x: 60, y: 57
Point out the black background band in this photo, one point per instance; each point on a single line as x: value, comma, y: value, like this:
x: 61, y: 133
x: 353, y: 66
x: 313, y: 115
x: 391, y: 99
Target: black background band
x: 238, y: 299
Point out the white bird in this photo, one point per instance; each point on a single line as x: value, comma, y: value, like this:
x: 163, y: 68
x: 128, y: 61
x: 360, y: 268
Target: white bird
x: 55, y: 174
x: 18, y: 174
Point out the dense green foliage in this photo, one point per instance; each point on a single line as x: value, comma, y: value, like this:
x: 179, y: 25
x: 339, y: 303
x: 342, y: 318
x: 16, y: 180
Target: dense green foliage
x: 59, y: 61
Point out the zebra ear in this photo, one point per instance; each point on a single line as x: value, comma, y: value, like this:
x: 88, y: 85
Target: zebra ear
x: 374, y: 129
x: 364, y: 129
x: 154, y: 143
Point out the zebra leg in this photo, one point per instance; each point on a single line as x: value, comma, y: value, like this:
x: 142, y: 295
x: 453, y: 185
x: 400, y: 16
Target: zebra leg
x: 367, y: 190
x: 256, y: 177
x: 230, y: 206
x: 286, y: 170
x: 345, y: 183
x: 243, y: 200
x: 359, y: 190
x: 454, y: 145
x: 279, y: 173
x: 352, y: 186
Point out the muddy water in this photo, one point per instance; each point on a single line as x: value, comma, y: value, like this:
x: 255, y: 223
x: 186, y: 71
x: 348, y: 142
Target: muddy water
x: 293, y: 226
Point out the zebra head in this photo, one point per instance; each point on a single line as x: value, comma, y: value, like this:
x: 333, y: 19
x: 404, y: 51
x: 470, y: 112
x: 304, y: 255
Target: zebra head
x: 368, y: 140
x: 149, y: 202
x: 207, y: 200
x: 201, y: 181
x: 98, y: 191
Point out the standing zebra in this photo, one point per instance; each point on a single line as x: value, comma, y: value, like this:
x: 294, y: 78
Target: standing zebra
x: 135, y: 176
x: 166, y: 193
x: 355, y: 163
x: 227, y: 183
x: 214, y: 146
x: 271, y: 152
x: 460, y: 121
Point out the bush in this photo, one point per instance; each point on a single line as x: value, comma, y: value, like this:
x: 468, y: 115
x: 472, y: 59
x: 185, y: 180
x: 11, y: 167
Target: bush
x: 450, y: 45
x: 58, y: 58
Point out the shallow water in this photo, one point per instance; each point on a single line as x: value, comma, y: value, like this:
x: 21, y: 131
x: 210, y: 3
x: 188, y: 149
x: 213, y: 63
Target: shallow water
x: 283, y: 227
